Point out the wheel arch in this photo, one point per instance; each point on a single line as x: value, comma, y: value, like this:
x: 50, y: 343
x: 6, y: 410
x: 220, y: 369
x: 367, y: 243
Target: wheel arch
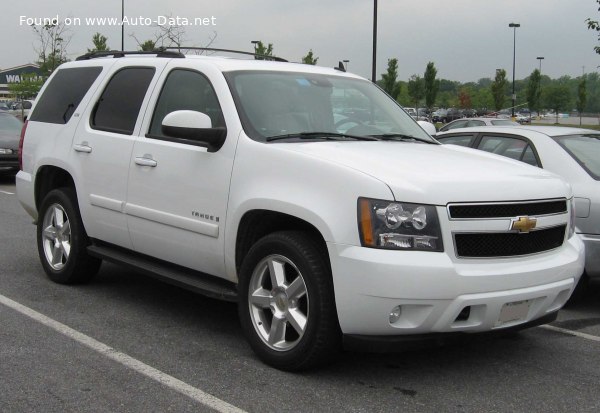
x: 49, y: 177
x: 257, y: 223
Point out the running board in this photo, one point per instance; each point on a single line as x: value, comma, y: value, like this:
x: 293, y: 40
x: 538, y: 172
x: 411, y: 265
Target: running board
x: 173, y: 274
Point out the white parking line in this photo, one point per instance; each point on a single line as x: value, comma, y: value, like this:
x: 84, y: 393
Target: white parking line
x: 7, y: 193
x: 122, y: 358
x: 571, y: 332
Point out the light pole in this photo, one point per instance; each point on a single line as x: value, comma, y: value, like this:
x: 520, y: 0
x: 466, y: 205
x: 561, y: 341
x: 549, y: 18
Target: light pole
x: 540, y: 58
x: 122, y: 25
x: 346, y: 64
x: 514, y: 97
x: 254, y: 42
x: 374, y: 42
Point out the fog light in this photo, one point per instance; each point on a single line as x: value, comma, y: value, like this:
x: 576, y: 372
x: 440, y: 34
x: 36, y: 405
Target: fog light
x: 395, y: 314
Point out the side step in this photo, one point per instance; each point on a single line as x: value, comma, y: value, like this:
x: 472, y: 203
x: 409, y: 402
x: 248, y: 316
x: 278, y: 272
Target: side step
x: 173, y: 274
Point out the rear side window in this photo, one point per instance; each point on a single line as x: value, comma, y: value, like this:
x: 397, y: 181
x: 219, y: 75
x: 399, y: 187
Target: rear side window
x: 63, y: 94
x: 461, y: 140
x: 118, y: 108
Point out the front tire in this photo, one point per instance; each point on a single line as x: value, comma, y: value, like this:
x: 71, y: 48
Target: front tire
x: 287, y: 306
x: 62, y: 240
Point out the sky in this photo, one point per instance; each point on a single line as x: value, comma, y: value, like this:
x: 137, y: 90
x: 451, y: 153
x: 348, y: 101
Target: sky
x: 466, y: 39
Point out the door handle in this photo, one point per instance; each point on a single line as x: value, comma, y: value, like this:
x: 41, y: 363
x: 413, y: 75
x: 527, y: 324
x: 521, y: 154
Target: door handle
x: 145, y: 161
x: 82, y: 147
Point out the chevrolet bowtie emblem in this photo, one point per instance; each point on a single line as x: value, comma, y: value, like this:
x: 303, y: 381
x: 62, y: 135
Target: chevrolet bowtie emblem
x: 523, y: 224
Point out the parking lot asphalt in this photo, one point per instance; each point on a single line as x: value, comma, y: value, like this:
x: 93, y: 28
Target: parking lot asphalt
x: 167, y: 349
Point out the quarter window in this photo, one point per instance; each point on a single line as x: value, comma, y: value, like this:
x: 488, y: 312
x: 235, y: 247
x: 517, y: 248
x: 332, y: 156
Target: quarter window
x: 119, y: 106
x: 63, y: 94
x: 460, y: 140
x: 186, y: 90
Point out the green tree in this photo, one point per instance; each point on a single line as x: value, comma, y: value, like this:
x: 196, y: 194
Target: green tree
x: 581, y: 96
x: 309, y: 59
x: 557, y: 97
x: 431, y: 85
x: 261, y: 51
x: 389, y: 80
x: 594, y: 25
x: 52, y: 40
x: 147, y: 46
x: 498, y: 88
x: 534, y: 90
x: 28, y: 87
x: 416, y: 89
x: 99, y: 42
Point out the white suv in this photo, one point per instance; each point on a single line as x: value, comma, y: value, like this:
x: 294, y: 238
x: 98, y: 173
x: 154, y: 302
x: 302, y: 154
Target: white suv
x: 303, y: 193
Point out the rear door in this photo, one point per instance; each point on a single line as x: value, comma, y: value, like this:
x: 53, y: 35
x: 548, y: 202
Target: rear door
x: 103, y: 143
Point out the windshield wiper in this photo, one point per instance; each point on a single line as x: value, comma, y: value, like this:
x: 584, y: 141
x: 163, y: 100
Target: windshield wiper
x: 401, y: 137
x: 321, y: 135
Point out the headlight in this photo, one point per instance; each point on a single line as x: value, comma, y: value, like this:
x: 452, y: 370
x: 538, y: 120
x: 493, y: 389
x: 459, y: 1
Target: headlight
x: 4, y: 151
x: 398, y: 225
x: 571, y: 217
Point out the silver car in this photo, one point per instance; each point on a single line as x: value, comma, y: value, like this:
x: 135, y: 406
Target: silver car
x: 572, y: 153
x: 472, y: 122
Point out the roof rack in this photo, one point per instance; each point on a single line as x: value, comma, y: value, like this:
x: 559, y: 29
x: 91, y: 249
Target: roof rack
x: 161, y: 52
x: 211, y: 49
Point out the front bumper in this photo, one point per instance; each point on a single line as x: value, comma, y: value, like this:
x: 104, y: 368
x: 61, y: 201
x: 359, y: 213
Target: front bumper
x: 431, y: 290
x: 9, y: 163
x: 592, y: 254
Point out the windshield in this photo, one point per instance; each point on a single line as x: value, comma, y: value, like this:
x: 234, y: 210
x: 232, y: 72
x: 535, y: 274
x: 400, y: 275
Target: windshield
x: 287, y: 104
x: 585, y: 149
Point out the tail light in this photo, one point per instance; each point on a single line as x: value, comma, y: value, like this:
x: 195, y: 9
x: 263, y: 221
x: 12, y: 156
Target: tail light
x: 23, y: 129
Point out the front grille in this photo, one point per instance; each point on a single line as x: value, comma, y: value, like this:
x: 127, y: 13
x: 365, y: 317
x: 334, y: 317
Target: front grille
x: 507, y: 210
x: 508, y: 244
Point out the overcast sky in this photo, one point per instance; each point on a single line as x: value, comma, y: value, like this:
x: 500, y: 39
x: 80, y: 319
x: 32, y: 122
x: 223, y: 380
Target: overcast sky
x: 466, y: 39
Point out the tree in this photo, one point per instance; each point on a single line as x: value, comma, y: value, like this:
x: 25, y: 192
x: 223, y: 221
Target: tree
x: 498, y: 87
x: 557, y: 97
x: 261, y: 52
x: 431, y: 85
x: 534, y: 91
x: 594, y: 25
x: 53, y: 40
x: 171, y: 35
x: 99, y: 42
x: 416, y: 90
x: 28, y: 87
x: 147, y: 46
x: 309, y: 59
x: 464, y: 97
x: 581, y: 96
x: 389, y: 80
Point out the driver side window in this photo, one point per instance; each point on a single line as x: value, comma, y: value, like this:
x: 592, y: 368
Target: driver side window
x: 186, y: 90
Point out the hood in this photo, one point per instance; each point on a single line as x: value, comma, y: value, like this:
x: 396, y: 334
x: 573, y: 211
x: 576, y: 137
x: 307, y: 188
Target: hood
x: 440, y: 174
x: 9, y: 140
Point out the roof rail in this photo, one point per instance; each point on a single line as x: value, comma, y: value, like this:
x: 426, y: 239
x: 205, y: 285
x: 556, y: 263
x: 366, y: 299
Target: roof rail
x: 211, y: 49
x: 161, y: 52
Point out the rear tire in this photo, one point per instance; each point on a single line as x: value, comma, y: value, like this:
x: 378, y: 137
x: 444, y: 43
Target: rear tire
x: 287, y: 306
x: 62, y: 240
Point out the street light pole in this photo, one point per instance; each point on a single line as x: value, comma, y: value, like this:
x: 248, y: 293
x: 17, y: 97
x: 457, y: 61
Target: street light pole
x: 373, y: 79
x: 540, y: 58
x: 514, y: 97
x: 122, y: 25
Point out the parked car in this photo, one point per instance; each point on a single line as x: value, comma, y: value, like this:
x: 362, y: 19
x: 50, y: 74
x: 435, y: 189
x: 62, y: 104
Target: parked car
x: 10, y: 131
x: 453, y: 114
x: 571, y: 153
x: 472, y: 122
x: 439, y: 116
x: 4, y: 107
x: 469, y: 113
x: 22, y: 108
x: 229, y: 177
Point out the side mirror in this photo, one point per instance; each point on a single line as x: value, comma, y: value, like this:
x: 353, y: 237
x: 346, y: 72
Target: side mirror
x: 193, y: 126
x: 428, y: 127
